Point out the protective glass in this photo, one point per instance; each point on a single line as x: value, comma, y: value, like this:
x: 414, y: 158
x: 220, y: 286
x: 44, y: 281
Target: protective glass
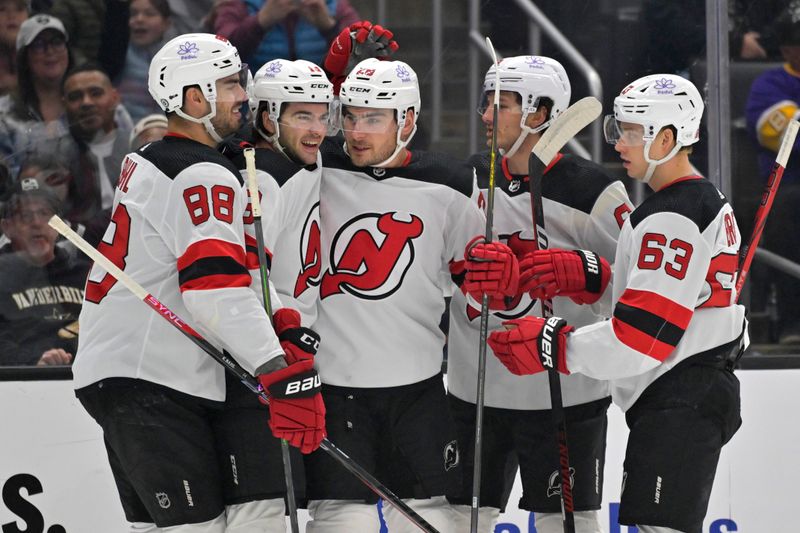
x: 626, y: 134
x: 487, y: 101
x: 368, y: 121
x: 305, y: 120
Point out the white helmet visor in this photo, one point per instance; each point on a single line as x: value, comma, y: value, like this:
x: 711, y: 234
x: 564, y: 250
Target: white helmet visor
x: 623, y: 133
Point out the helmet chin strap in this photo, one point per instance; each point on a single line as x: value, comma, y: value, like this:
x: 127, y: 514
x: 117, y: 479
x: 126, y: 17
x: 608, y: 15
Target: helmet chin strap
x: 400, y: 145
x: 273, y: 139
x: 205, y: 120
x: 524, y: 135
x: 653, y: 163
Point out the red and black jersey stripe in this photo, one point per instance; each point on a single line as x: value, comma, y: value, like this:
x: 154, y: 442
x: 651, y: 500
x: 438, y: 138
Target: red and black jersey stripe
x: 650, y: 323
x: 212, y: 264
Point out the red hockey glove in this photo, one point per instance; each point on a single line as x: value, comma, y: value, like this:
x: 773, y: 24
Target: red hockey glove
x: 359, y: 41
x: 532, y: 340
x: 298, y: 343
x: 578, y: 274
x: 492, y: 268
x: 296, y: 410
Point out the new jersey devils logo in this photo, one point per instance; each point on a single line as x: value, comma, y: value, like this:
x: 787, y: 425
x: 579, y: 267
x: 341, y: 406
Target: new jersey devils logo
x: 520, y: 305
x: 310, y: 253
x: 371, y: 254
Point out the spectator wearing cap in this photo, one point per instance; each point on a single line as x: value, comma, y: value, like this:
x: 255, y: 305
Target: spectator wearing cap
x: 773, y: 101
x: 12, y: 14
x: 101, y: 142
x: 263, y: 30
x: 31, y: 116
x: 42, y: 283
x: 149, y: 129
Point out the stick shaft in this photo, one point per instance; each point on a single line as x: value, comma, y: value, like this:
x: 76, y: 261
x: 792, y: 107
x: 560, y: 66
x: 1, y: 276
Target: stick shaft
x: 535, y: 172
x: 484, y: 324
x: 255, y: 209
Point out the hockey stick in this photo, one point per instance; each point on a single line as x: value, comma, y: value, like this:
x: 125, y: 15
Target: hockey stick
x: 484, y: 327
x: 232, y: 366
x: 562, y: 129
x: 767, y: 197
x: 255, y: 210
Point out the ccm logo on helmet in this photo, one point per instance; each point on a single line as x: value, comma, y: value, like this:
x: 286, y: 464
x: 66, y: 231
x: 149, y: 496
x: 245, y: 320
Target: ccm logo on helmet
x: 360, y: 89
x: 319, y: 85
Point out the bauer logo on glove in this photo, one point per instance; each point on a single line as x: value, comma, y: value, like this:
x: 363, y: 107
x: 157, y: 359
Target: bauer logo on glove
x: 304, y: 385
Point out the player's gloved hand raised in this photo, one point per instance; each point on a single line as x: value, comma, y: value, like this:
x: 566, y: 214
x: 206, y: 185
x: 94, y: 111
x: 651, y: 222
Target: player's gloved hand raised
x: 520, y: 345
x: 297, y: 412
x: 359, y: 41
x: 492, y: 269
x: 298, y: 343
x: 577, y: 274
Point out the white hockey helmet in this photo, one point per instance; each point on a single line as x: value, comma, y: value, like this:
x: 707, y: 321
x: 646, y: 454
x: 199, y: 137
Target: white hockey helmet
x: 192, y: 59
x: 532, y: 77
x: 384, y: 85
x: 655, y: 102
x: 282, y: 81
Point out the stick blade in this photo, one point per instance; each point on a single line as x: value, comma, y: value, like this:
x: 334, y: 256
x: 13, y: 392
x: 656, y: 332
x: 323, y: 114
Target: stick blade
x: 788, y: 143
x: 566, y: 126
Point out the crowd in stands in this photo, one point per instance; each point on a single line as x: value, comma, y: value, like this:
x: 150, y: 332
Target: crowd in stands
x: 74, y: 101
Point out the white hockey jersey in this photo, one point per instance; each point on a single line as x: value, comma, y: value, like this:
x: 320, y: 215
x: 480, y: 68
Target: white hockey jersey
x: 389, y: 237
x: 584, y: 208
x: 673, y: 291
x: 177, y: 228
x: 290, y: 224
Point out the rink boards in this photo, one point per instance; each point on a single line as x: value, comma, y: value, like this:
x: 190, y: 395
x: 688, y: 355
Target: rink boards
x: 55, y: 478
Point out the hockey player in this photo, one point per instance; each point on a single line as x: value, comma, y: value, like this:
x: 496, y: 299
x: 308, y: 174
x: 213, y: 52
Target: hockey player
x: 393, y: 224
x: 182, y: 459
x: 676, y: 331
x: 584, y: 209
x: 290, y: 102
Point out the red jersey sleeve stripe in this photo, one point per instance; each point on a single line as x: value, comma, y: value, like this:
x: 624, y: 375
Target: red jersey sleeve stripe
x: 216, y: 281
x: 657, y: 305
x: 212, y: 264
x: 211, y: 248
x: 649, y: 322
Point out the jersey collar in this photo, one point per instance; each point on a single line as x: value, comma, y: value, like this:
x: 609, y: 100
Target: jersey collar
x: 510, y: 177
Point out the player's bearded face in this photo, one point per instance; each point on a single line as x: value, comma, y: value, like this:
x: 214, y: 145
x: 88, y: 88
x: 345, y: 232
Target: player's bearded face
x: 508, y: 128
x: 302, y: 128
x: 230, y: 97
x: 371, y: 134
